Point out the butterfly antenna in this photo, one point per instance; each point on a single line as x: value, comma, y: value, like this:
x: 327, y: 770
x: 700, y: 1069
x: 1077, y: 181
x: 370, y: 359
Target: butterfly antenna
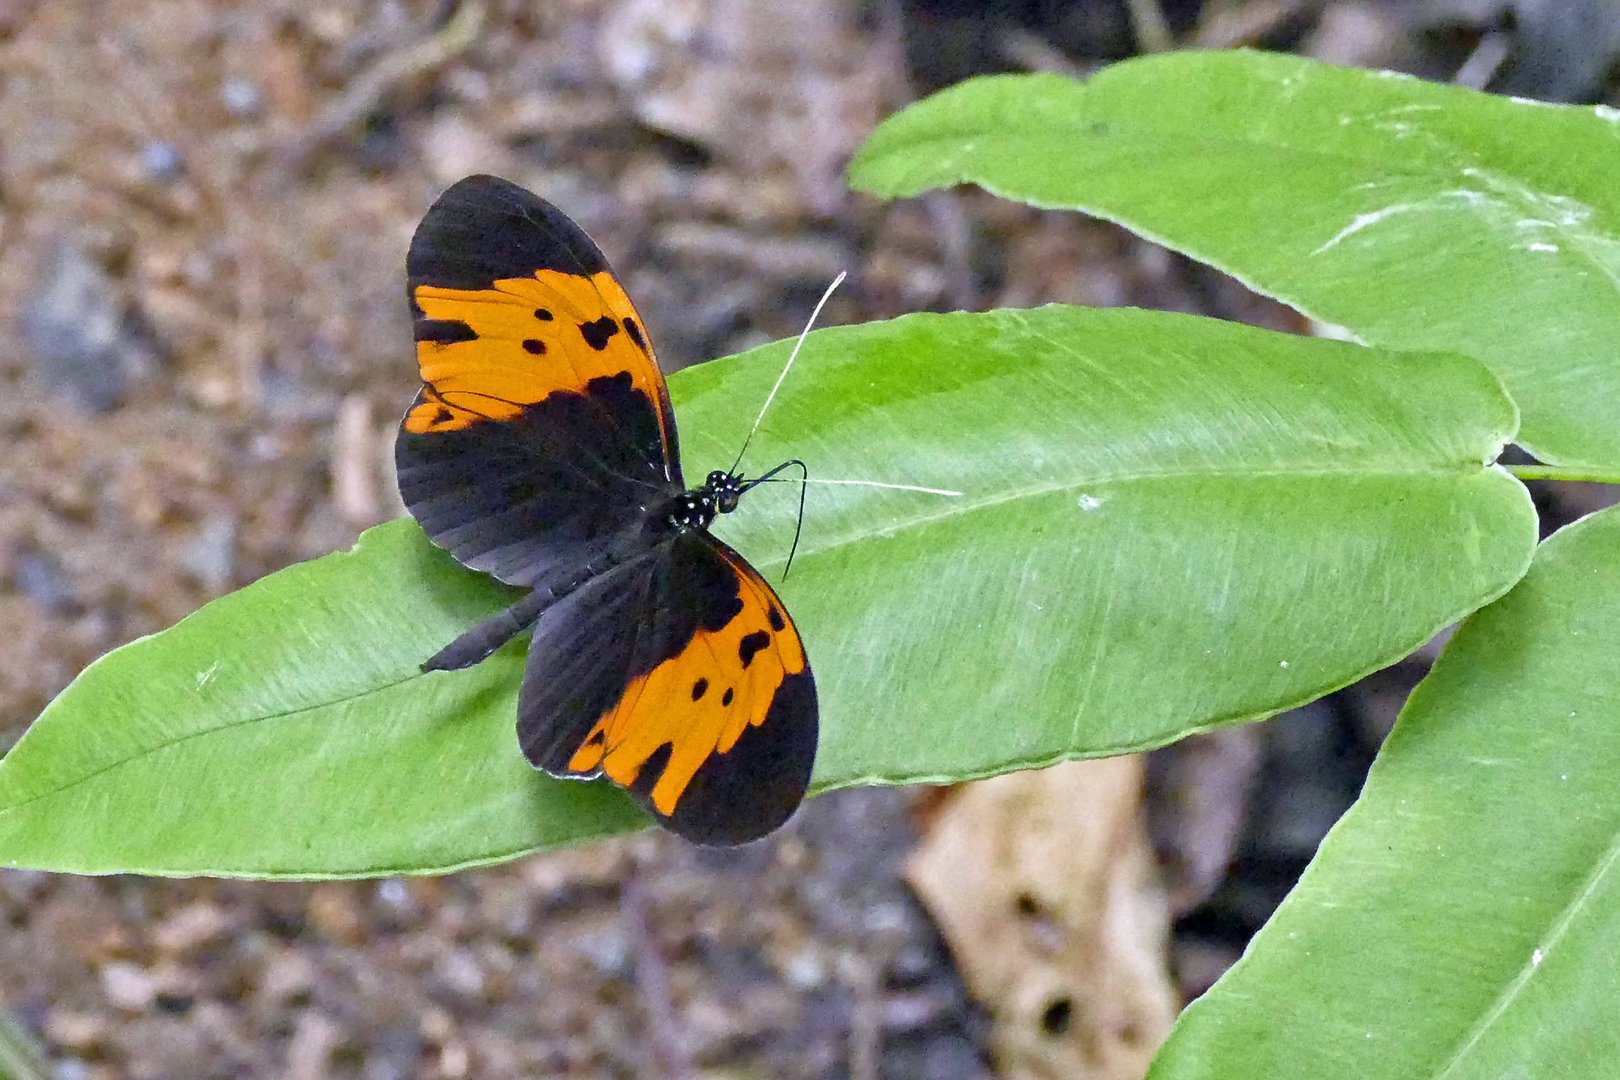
x: 772, y: 477
x: 786, y: 367
x: 798, y: 526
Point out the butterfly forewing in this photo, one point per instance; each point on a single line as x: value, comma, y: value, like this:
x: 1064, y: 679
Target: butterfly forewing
x: 543, y: 424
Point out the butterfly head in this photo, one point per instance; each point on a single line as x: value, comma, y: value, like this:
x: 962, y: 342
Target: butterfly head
x: 725, y: 489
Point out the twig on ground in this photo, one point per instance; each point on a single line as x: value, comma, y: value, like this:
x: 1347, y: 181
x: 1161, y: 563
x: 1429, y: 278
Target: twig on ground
x: 667, y: 1051
x: 1149, y: 26
x: 367, y: 92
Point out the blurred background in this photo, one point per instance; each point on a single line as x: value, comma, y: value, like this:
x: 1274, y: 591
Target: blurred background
x: 204, y: 209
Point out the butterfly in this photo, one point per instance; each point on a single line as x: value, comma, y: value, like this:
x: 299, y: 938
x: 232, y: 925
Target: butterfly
x: 541, y: 449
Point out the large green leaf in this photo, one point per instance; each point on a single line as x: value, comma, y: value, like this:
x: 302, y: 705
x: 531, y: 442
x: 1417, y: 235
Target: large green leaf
x: 1464, y: 918
x: 284, y: 731
x: 1416, y: 215
x: 1168, y: 523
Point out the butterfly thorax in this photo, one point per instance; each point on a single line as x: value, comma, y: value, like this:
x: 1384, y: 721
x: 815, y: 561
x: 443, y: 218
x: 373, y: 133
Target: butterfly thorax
x: 697, y: 508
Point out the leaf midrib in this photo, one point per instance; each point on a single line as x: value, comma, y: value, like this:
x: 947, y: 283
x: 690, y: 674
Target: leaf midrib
x: 1515, y: 986
x: 963, y: 507
x: 216, y: 729
x: 921, y: 521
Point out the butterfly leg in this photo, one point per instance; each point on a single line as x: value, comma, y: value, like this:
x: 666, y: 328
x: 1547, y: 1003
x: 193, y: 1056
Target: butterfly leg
x: 493, y: 632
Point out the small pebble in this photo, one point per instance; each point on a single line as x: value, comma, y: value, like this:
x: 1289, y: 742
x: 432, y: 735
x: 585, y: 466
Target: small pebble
x: 74, y: 1030
x: 806, y: 969
x: 128, y: 986
x: 241, y: 98
x: 40, y: 577
x: 211, y: 555
x: 460, y: 974
x: 393, y: 1054
x: 915, y: 1010
x: 392, y: 893
x: 332, y: 911
x: 192, y: 926
x: 288, y: 976
x: 162, y: 162
x: 74, y: 325
x: 608, y: 952
x: 71, y: 1069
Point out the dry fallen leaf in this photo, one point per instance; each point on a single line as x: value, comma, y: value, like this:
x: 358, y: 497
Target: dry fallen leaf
x: 1044, y: 885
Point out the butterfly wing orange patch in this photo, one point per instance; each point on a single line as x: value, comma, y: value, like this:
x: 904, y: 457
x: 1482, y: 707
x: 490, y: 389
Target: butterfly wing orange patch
x: 486, y: 354
x: 706, y: 712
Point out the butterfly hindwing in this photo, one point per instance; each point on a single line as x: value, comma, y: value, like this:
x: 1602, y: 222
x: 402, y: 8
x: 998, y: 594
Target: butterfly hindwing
x: 543, y: 424
x: 680, y: 677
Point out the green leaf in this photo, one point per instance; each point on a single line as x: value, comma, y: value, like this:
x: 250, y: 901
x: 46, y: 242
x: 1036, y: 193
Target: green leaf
x: 284, y: 731
x: 1168, y: 523
x: 1416, y: 215
x: 1462, y: 919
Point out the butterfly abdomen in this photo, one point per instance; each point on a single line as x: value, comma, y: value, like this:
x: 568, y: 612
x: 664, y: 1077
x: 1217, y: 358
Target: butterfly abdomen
x: 483, y: 639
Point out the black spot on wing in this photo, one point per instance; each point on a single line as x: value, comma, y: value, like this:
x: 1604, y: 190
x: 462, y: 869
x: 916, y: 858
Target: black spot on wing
x: 724, y: 613
x: 484, y: 229
x: 635, y: 335
x: 700, y: 688
x: 612, y: 387
x: 534, y: 346
x: 728, y: 697
x: 652, y: 769
x: 598, y: 332
x: 750, y: 645
x: 777, y: 622
x: 444, y: 331
x: 542, y: 314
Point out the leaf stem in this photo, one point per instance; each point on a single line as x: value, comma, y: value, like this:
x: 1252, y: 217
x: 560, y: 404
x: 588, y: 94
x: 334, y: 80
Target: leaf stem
x: 20, y: 1056
x: 1558, y: 472
x: 1149, y: 25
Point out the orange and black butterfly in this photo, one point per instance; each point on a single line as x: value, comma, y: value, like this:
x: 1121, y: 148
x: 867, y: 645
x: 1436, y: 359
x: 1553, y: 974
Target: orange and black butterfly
x: 541, y: 450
